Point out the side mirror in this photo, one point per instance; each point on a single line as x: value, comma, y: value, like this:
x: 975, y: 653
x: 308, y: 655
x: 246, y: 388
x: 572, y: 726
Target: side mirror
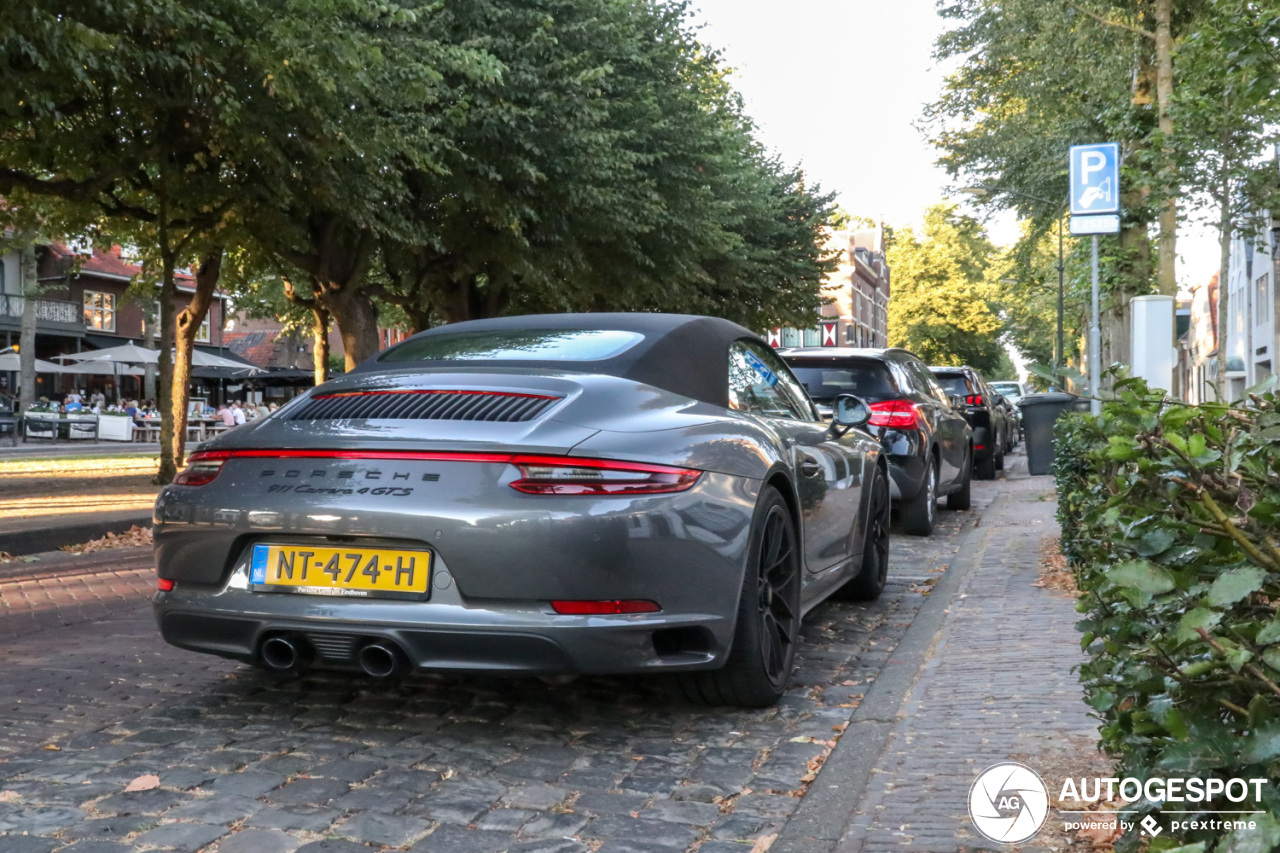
x: 850, y: 411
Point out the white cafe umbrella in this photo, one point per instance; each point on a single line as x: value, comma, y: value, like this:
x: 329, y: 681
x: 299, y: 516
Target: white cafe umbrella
x: 11, y: 360
x: 101, y: 368
x: 124, y: 354
x: 133, y: 354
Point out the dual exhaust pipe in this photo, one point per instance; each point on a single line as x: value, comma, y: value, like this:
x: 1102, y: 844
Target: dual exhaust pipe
x: 286, y: 653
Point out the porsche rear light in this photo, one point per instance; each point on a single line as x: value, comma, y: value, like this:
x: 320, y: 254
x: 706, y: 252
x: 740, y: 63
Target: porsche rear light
x: 974, y: 400
x: 202, y: 467
x: 895, y: 414
x: 604, y: 608
x: 164, y: 585
x: 560, y: 475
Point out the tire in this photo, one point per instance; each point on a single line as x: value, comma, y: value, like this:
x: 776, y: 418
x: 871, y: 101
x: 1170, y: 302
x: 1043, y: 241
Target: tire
x: 768, y: 623
x: 985, y: 468
x: 919, y: 513
x: 962, y: 498
x: 999, y: 461
x: 870, y: 580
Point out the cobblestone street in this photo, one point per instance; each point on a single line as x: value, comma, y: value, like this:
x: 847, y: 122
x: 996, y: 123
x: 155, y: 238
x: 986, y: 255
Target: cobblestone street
x: 229, y: 759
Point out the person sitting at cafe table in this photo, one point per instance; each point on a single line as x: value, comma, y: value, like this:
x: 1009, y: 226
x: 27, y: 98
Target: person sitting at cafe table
x: 227, y: 416
x: 72, y: 402
x: 237, y: 412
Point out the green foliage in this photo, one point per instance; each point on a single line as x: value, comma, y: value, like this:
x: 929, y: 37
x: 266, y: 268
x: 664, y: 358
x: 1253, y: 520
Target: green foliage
x: 609, y: 167
x: 1169, y: 515
x: 941, y: 308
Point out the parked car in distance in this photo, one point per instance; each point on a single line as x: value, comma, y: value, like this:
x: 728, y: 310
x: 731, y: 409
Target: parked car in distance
x: 990, y: 424
x: 1012, y: 393
x: 538, y: 495
x: 927, y: 441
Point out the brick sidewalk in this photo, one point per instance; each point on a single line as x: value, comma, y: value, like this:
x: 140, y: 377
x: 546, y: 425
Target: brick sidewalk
x: 997, y: 685
x: 60, y: 590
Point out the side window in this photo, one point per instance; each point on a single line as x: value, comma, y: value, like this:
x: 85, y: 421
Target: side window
x: 758, y: 387
x: 929, y: 385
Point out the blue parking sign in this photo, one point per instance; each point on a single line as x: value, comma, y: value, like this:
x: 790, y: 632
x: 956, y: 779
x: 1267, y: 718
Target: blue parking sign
x: 1095, y: 179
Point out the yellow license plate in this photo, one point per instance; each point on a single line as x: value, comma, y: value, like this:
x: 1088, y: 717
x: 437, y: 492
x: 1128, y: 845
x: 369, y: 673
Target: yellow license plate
x: 340, y: 571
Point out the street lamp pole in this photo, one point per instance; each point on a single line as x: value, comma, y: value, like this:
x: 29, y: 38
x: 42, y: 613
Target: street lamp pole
x: 1060, y: 352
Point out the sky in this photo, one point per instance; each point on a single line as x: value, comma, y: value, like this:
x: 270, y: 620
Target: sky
x: 838, y: 87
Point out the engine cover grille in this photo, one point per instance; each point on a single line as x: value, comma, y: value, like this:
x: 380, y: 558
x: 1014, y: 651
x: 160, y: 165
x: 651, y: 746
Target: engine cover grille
x: 337, y: 648
x: 433, y: 405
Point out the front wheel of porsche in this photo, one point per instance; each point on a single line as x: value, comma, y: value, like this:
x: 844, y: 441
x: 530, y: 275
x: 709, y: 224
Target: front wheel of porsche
x: 768, y: 620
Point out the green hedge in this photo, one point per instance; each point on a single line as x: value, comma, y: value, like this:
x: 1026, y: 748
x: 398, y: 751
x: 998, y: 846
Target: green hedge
x: 1170, y: 516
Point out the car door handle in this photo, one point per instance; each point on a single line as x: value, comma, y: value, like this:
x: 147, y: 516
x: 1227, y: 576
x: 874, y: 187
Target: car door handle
x: 810, y: 468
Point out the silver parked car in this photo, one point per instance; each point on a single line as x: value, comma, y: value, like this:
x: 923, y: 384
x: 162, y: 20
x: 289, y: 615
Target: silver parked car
x: 595, y: 493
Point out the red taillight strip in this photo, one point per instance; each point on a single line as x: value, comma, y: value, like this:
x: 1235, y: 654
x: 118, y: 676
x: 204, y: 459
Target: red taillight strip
x: 434, y: 391
x: 677, y: 479
x: 356, y: 455
x: 436, y: 456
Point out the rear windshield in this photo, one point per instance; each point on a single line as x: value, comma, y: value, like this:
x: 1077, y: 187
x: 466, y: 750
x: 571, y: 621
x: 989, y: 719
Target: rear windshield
x: 516, y: 345
x: 954, y: 383
x: 825, y: 378
x: 1009, y: 389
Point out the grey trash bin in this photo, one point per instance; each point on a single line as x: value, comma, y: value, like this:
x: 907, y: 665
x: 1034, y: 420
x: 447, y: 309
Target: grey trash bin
x: 1039, y: 411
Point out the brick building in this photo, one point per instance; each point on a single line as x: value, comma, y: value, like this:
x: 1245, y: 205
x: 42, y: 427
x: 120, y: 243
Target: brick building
x: 83, y: 306
x: 858, y: 314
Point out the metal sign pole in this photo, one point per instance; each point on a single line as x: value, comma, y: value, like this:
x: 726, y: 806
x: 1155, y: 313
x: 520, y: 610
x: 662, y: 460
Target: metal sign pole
x: 1095, y: 339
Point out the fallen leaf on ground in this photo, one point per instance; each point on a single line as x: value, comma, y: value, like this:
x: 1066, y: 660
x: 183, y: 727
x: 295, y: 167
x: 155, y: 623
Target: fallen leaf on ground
x: 49, y: 747
x: 10, y: 797
x: 143, y: 783
x: 763, y: 843
x: 132, y: 538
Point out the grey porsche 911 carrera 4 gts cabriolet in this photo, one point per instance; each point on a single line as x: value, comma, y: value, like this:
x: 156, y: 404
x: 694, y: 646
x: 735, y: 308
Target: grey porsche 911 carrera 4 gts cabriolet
x: 555, y: 494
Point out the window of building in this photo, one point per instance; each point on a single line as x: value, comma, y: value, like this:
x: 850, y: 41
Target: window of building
x: 99, y: 311
x: 202, y: 334
x: 1261, y: 302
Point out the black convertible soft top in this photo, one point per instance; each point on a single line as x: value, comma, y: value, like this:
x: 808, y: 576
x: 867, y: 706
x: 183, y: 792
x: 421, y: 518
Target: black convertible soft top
x: 684, y: 354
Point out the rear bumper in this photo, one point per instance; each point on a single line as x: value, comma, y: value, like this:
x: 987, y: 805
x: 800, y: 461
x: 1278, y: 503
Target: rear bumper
x: 445, y: 633
x: 905, y: 452
x: 644, y: 645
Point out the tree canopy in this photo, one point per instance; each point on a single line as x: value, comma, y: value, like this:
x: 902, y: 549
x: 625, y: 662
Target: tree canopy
x: 452, y: 159
x: 942, y: 306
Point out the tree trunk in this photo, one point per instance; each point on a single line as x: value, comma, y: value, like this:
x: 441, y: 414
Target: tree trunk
x: 1224, y: 291
x: 1168, y: 245
x: 30, y: 288
x: 320, y: 343
x: 187, y: 326
x: 357, y: 320
x: 168, y: 322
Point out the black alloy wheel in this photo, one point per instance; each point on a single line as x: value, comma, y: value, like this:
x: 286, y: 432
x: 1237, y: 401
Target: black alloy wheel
x: 919, y: 513
x: 870, y: 581
x: 768, y: 623
x: 962, y: 498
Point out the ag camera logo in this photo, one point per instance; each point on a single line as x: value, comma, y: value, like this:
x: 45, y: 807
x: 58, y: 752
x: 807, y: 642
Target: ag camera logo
x: 1008, y: 802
